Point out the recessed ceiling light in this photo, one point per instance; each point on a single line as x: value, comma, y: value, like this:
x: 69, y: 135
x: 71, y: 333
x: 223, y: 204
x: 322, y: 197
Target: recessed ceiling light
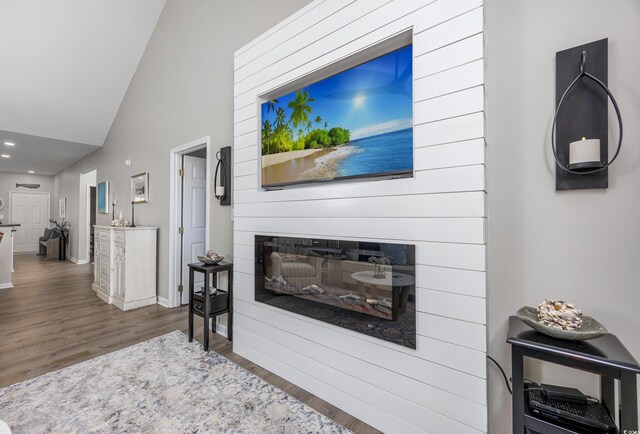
x: 9, y: 144
x: 5, y: 155
x: 31, y: 171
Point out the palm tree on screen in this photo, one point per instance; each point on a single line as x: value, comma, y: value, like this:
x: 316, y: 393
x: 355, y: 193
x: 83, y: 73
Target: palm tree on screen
x: 300, y: 108
x: 271, y: 106
x: 266, y: 133
x: 281, y: 117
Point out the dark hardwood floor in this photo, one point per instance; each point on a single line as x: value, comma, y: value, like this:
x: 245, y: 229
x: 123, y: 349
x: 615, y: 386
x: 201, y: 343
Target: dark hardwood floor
x: 51, y: 319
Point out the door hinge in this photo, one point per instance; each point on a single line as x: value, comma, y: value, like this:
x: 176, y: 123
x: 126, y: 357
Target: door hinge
x: 181, y: 230
x: 181, y: 172
x: 180, y: 288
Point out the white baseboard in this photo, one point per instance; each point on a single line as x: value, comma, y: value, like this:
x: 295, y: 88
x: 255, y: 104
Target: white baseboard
x: 163, y: 302
x: 78, y: 261
x: 6, y: 285
x: 221, y: 328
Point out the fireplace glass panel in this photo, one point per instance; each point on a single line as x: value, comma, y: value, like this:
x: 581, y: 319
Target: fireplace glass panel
x: 367, y: 287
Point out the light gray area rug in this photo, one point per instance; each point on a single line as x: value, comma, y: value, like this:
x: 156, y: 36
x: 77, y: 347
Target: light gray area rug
x: 164, y: 385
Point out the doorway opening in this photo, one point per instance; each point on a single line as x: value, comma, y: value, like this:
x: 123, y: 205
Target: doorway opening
x: 189, y: 215
x: 86, y: 216
x: 92, y: 220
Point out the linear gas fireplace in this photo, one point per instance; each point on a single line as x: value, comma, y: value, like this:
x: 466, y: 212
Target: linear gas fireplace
x: 367, y: 287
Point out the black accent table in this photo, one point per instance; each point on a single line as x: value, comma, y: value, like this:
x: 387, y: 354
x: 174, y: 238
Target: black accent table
x: 604, y: 356
x: 62, y: 247
x: 207, y: 306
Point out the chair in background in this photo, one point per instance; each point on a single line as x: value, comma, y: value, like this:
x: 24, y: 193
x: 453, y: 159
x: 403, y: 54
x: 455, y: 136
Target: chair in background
x: 295, y: 263
x: 50, y: 244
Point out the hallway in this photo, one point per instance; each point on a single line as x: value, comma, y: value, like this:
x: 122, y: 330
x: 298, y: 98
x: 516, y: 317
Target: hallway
x: 52, y: 319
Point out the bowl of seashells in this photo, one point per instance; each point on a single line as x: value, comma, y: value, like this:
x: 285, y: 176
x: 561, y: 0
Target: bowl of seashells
x: 562, y: 320
x: 212, y: 257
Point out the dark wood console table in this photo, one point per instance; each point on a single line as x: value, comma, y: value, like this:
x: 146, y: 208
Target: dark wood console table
x: 604, y: 356
x: 209, y: 306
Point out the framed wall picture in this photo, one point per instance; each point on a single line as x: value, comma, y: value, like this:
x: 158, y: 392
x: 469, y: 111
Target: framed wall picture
x: 140, y: 188
x: 103, y: 197
x: 63, y: 207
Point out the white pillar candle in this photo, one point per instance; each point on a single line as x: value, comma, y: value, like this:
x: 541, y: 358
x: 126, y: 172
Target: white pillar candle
x: 219, y: 191
x: 584, y: 151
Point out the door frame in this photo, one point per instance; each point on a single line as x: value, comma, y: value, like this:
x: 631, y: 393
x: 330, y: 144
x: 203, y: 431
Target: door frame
x: 175, y: 156
x: 84, y: 199
x: 12, y: 192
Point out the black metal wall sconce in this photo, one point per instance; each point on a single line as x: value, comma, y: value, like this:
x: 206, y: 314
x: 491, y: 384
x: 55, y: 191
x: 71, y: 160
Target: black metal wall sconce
x: 222, y: 176
x: 579, y: 136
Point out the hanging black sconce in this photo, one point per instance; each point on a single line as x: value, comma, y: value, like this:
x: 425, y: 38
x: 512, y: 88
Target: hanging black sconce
x: 222, y: 176
x: 579, y: 136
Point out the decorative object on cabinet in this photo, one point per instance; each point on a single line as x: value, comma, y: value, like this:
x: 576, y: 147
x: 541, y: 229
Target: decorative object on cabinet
x: 120, y: 221
x: 579, y: 135
x: 589, y: 329
x: 140, y: 188
x: 222, y: 183
x: 103, y: 197
x: 211, y: 258
x: 63, y: 207
x: 2, y: 203
x: 28, y: 185
x: 210, y: 301
x: 125, y: 265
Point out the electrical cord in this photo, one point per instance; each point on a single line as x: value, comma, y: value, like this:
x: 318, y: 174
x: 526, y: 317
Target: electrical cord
x: 531, y: 386
x: 506, y: 380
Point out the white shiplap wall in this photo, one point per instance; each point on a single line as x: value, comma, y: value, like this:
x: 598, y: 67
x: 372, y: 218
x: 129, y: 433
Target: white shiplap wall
x: 441, y: 386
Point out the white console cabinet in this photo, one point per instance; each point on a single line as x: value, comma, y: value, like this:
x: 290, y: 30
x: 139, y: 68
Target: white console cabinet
x: 125, y: 265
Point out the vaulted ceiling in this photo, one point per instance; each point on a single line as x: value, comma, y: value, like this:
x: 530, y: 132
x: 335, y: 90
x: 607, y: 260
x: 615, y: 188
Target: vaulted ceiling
x: 65, y: 66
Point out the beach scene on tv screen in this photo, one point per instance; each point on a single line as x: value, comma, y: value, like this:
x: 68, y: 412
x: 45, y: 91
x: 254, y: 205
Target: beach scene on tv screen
x: 353, y: 124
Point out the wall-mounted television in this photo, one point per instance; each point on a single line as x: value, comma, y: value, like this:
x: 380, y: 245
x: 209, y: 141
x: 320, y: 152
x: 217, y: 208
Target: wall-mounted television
x: 357, y: 123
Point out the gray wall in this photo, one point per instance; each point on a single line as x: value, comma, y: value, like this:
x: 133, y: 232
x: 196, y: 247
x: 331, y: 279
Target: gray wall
x: 181, y: 91
x: 581, y: 246
x: 8, y: 183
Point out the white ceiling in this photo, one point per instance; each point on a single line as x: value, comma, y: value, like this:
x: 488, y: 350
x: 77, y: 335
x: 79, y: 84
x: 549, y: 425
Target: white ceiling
x: 42, y: 155
x: 65, y: 66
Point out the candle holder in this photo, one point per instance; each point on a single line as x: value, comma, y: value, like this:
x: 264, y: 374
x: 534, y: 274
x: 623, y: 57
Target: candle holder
x: 133, y: 225
x: 222, y: 183
x: 580, y: 127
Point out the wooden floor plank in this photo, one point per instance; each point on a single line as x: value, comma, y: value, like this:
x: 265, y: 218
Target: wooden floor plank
x: 51, y: 319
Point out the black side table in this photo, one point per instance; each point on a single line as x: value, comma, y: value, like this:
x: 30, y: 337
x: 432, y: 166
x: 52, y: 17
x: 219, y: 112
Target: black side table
x: 604, y: 356
x: 62, y: 247
x: 207, y: 306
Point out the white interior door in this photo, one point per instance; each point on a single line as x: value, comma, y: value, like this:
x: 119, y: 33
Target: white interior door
x: 193, y: 218
x: 31, y: 211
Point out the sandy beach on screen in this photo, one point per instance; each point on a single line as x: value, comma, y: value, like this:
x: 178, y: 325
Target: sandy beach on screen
x: 327, y: 165
x: 273, y: 159
x: 304, y: 165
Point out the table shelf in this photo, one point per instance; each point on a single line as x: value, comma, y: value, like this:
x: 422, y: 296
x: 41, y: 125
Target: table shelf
x: 604, y: 356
